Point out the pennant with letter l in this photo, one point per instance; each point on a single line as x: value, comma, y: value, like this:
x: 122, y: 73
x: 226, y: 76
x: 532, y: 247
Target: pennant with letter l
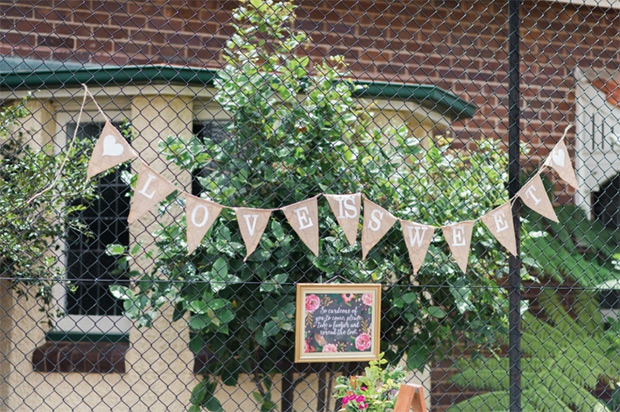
x: 304, y: 219
x: 535, y: 197
x: 252, y: 224
x: 377, y: 221
x: 151, y: 188
x: 418, y: 238
x: 200, y: 215
x: 110, y: 150
x: 559, y: 161
x: 500, y: 224
x: 346, y: 208
x: 458, y: 236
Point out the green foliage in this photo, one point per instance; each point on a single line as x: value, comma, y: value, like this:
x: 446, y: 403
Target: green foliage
x: 39, y: 189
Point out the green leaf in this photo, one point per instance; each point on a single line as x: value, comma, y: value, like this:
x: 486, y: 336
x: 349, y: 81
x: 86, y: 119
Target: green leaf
x: 409, y: 298
x: 121, y: 292
x: 198, y: 306
x: 198, y: 322
x: 436, y: 312
x: 115, y: 249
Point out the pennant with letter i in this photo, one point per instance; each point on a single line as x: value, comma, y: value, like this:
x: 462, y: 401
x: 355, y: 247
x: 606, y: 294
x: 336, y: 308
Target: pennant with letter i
x: 535, y: 197
x: 500, y: 224
x: 417, y: 238
x: 346, y: 208
x: 559, y: 161
x: 458, y: 237
x: 151, y: 188
x: 304, y: 219
x: 200, y: 215
x: 252, y: 224
x: 377, y: 222
x: 111, y: 149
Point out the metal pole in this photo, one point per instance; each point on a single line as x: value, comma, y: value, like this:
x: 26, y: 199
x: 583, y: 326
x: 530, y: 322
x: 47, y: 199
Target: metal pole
x: 514, y: 263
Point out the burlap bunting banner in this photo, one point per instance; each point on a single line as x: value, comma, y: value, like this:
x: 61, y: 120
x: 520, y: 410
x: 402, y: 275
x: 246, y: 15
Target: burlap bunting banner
x: 200, y: 215
x: 151, y: 188
x: 417, y: 238
x: 346, y: 208
x: 458, y: 237
x: 500, y: 224
x: 111, y: 149
x: 377, y: 221
x: 559, y: 161
x: 252, y: 224
x: 534, y: 195
x: 304, y: 219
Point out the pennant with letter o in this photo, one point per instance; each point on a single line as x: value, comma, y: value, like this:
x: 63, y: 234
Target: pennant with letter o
x: 200, y: 215
x: 500, y: 224
x: 535, y: 197
x: 110, y: 150
x: 346, y: 208
x: 559, y: 161
x: 151, y: 189
x: 458, y: 236
x: 377, y: 222
x: 304, y: 219
x: 252, y: 224
x: 418, y: 238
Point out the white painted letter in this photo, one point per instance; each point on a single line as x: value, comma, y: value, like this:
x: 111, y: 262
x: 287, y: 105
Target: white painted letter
x: 500, y: 221
x: 252, y: 226
x: 346, y: 207
x: 458, y: 238
x: 204, y: 220
x: 417, y: 239
x: 375, y: 217
x: 142, y: 191
x: 530, y: 193
x: 302, y: 217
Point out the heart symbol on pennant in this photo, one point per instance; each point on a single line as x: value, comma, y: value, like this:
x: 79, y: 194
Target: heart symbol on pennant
x: 558, y: 157
x: 110, y: 147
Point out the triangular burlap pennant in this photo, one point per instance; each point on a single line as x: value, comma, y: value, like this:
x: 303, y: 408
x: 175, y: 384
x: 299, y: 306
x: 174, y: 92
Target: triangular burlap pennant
x: 458, y: 236
x: 304, y: 219
x: 535, y: 197
x: 418, y: 238
x: 559, y: 161
x: 377, y: 221
x: 500, y: 224
x: 252, y: 224
x: 200, y: 215
x: 151, y: 188
x: 346, y: 208
x: 110, y: 150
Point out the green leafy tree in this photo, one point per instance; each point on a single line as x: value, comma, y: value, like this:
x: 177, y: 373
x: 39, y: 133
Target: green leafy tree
x: 296, y: 130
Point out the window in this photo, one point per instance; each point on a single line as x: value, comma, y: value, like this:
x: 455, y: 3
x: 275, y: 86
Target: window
x: 203, y: 130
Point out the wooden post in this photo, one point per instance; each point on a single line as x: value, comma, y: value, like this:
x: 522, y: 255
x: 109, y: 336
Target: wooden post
x: 410, y: 397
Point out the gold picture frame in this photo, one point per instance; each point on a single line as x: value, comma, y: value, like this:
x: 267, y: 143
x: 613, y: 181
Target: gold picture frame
x: 337, y: 322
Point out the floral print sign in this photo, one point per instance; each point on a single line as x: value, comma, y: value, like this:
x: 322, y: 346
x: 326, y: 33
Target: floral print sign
x: 337, y: 322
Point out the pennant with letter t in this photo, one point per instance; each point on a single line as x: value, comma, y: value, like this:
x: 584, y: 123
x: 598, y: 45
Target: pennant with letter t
x: 111, y: 149
x: 377, y: 222
x: 500, y: 224
x: 151, y: 188
x: 417, y: 238
x: 346, y: 208
x: 535, y: 197
x: 559, y: 161
x: 458, y: 237
x: 200, y: 215
x: 252, y: 224
x: 304, y: 219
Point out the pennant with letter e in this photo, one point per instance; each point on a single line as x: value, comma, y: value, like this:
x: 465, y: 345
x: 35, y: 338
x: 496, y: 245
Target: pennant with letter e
x: 200, y: 215
x: 110, y: 150
x: 252, y: 224
x: 346, y: 208
x: 458, y: 236
x: 151, y: 188
x: 417, y: 238
x: 559, y: 161
x: 535, y: 197
x: 304, y: 219
x: 377, y: 221
x: 500, y: 224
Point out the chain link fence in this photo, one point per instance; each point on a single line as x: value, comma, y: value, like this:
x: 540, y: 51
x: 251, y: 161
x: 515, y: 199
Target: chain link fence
x: 437, y: 112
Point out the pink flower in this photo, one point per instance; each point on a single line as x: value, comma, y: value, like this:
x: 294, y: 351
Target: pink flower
x: 347, y: 399
x: 348, y: 297
x: 367, y: 299
x: 362, y: 342
x: 330, y: 347
x: 360, y: 398
x: 363, y: 405
x: 307, y: 348
x: 312, y: 303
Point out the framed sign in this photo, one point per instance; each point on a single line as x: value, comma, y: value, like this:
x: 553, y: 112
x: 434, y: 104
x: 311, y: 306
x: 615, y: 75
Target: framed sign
x: 337, y: 322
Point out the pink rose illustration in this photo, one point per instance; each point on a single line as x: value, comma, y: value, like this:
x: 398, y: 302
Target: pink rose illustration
x: 330, y: 347
x: 307, y: 348
x: 312, y: 303
x: 367, y: 299
x: 362, y: 342
x: 348, y: 297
